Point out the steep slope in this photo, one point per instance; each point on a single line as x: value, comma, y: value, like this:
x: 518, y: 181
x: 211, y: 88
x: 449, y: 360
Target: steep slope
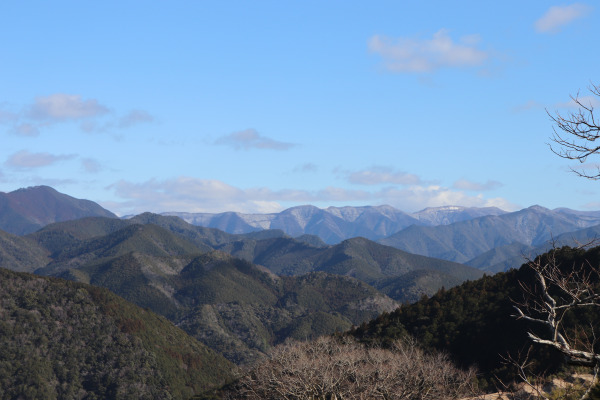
x: 61, y: 339
x: 27, y: 210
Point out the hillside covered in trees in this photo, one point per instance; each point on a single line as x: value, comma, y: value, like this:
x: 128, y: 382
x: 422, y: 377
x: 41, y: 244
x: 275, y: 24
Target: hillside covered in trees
x: 61, y: 340
x: 478, y: 325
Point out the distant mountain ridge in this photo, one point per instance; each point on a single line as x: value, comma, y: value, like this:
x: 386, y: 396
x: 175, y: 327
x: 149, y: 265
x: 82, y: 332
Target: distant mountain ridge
x: 510, y: 233
x: 335, y: 224
x: 26, y: 210
x: 487, y: 238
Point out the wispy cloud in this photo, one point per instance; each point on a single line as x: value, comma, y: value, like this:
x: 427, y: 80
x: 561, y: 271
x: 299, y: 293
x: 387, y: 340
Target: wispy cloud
x: 7, y: 116
x: 594, y: 205
x: 62, y: 108
x: 463, y: 184
x: 26, y: 160
x: 406, y: 54
x: 251, y: 139
x: 382, y: 175
x: 185, y: 193
x: 530, y: 105
x: 25, y: 129
x: 556, y: 17
x: 204, y: 195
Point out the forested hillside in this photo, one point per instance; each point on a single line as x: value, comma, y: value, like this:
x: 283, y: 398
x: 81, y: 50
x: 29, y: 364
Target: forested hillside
x: 476, y: 322
x: 232, y: 305
x: 61, y: 339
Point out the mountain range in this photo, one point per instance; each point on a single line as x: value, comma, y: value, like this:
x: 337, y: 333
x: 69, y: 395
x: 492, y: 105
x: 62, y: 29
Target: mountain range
x: 489, y: 239
x: 235, y: 307
x: 194, y: 299
x: 486, y: 238
x: 509, y: 235
x: 334, y: 224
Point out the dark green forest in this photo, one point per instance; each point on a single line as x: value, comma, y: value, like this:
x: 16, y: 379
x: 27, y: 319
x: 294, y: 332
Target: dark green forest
x: 61, y: 339
x: 476, y: 322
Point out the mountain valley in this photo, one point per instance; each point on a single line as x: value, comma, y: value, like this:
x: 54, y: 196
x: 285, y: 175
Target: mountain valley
x: 230, y: 297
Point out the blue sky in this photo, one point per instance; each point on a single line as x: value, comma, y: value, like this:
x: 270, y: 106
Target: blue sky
x: 210, y: 106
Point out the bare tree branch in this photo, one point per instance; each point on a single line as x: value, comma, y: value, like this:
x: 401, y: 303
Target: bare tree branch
x: 575, y: 134
x: 342, y: 369
x: 557, y: 292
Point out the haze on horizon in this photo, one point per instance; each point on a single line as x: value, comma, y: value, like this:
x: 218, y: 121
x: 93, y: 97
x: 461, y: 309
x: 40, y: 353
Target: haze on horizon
x: 257, y: 107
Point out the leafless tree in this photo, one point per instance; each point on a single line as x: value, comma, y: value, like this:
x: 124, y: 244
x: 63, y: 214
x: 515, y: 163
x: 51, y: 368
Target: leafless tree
x: 334, y: 369
x: 575, y: 134
x: 559, y: 291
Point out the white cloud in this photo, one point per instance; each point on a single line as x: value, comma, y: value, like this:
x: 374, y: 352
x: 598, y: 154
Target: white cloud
x: 406, y: 54
x: 558, y: 16
x: 92, y: 116
x: 25, y: 160
x: 382, y: 175
x: 205, y: 195
x: 250, y: 138
x: 188, y: 194
x: 61, y: 106
x: 463, y: 184
x: 416, y: 198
